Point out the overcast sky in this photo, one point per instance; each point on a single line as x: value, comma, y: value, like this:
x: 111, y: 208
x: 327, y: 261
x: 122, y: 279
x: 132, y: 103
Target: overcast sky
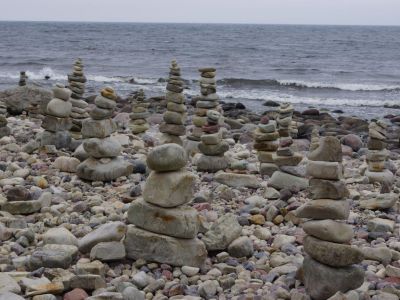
x: 357, y: 12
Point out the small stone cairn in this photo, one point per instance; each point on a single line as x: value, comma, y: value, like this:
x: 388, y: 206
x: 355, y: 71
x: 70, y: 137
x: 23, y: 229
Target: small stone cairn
x: 77, y: 82
x: 331, y: 262
x: 266, y: 143
x: 103, y: 163
x: 175, y: 116
x: 22, y: 78
x: 139, y: 114
x: 4, y: 129
x: 209, y: 100
x: 287, y: 176
x: 57, y: 121
x: 212, y: 146
x: 377, y: 155
x: 314, y: 143
x: 164, y: 228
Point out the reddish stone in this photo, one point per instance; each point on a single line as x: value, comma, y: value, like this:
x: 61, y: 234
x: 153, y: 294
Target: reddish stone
x: 210, y: 128
x: 168, y: 275
x: 264, y: 120
x: 202, y: 206
x: 285, y: 143
x: 76, y: 294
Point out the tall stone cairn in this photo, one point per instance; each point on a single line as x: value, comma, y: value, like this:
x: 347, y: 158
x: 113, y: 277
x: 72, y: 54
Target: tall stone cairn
x: 377, y: 155
x: 4, y: 129
x: 140, y: 113
x: 103, y: 163
x: 22, y: 78
x: 330, y: 266
x: 175, y: 116
x: 212, y: 146
x: 77, y: 82
x: 164, y: 227
x: 57, y: 121
x: 287, y: 160
x: 266, y: 143
x: 208, y: 100
x: 314, y: 143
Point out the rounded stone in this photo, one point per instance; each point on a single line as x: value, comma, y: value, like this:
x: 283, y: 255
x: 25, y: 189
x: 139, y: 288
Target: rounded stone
x: 59, y: 108
x: 168, y: 157
x: 61, y: 92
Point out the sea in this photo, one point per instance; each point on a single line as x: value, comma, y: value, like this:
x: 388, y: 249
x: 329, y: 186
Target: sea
x: 355, y: 69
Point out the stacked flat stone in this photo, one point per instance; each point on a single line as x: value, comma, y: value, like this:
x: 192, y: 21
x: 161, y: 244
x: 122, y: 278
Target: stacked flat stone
x: 314, y: 143
x: 377, y: 155
x: 4, y: 129
x: 77, y: 82
x: 164, y: 227
x: 57, y: 121
x: 266, y: 143
x: 212, y: 146
x: 103, y: 163
x: 330, y: 266
x: 139, y: 114
x: 287, y: 176
x: 175, y: 116
x: 209, y: 100
x: 22, y: 78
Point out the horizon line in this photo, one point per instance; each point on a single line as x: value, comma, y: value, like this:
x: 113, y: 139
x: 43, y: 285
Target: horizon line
x: 199, y: 23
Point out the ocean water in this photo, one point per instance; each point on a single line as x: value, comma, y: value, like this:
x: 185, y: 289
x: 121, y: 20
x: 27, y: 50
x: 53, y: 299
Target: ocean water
x: 353, y: 68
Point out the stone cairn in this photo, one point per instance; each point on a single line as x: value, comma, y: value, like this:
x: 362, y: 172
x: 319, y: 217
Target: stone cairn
x: 57, y: 121
x: 314, y: 143
x: 175, y: 116
x: 287, y: 176
x: 212, y: 146
x: 4, y: 129
x: 103, y: 163
x: 330, y: 266
x: 209, y: 100
x: 139, y: 114
x: 266, y: 143
x: 77, y: 82
x: 164, y: 228
x: 377, y: 155
x: 22, y: 78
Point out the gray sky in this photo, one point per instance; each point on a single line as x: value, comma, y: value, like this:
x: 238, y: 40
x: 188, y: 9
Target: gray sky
x: 358, y: 12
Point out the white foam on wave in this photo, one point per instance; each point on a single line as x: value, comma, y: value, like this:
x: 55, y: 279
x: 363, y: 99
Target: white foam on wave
x: 341, y: 86
x: 101, y: 78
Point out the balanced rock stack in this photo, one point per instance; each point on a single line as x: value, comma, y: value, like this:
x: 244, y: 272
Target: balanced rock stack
x: 77, y: 85
x: 288, y: 176
x: 103, y: 163
x: 314, y: 143
x: 4, y: 129
x: 212, y: 146
x: 330, y: 264
x: 22, y: 78
x: 377, y: 155
x: 164, y: 228
x: 175, y: 116
x: 266, y: 143
x: 209, y: 100
x: 139, y: 114
x: 57, y: 121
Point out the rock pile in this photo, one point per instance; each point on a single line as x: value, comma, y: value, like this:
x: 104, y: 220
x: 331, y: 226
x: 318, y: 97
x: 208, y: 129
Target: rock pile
x: 266, y: 143
x: 103, y: 163
x: 288, y: 175
x: 164, y: 228
x: 139, y: 114
x: 22, y: 78
x: 331, y: 263
x: 175, y: 116
x: 209, y: 100
x: 212, y: 146
x: 314, y: 143
x: 377, y: 155
x: 57, y: 121
x: 4, y: 129
x: 77, y: 82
